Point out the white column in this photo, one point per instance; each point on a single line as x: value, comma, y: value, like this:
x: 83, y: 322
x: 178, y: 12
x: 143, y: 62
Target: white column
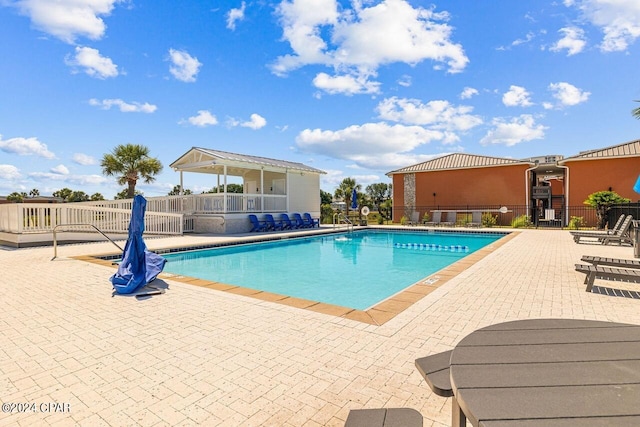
x: 224, y: 203
x: 262, y: 188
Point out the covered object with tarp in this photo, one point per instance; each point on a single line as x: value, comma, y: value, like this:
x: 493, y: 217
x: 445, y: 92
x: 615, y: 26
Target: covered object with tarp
x: 138, y: 266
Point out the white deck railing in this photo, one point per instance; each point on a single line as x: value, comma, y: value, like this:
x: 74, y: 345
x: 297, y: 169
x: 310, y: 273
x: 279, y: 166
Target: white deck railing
x: 208, y: 203
x: 164, y: 215
x: 44, y: 217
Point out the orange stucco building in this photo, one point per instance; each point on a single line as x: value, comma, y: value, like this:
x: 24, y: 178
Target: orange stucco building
x: 535, y: 185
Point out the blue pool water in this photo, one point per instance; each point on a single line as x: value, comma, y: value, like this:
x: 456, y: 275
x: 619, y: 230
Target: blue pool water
x: 356, y: 270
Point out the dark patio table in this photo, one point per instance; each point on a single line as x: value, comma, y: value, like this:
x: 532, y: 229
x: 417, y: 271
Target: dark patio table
x: 548, y: 372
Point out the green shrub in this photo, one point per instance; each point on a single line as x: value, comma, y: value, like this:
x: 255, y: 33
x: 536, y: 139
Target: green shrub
x: 489, y: 220
x: 404, y: 220
x: 426, y: 217
x: 326, y: 214
x: 521, y: 221
x: 576, y: 222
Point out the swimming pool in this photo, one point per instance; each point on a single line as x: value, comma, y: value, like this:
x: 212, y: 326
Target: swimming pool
x: 356, y: 270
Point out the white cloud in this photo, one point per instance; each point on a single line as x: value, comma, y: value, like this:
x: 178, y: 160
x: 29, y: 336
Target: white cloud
x: 125, y: 107
x: 517, y: 96
x: 437, y: 115
x: 468, y: 92
x: 26, y: 147
x: 345, y: 84
x: 70, y: 179
x: 618, y: 19
x: 530, y: 36
x: 357, y: 41
x: 60, y: 169
x: 184, y: 67
x: 93, y: 63
x: 519, y: 129
x: 9, y: 172
x: 68, y: 19
x: 378, y: 146
x: 405, y: 81
x: 573, y: 41
x: 235, y: 15
x: 202, y: 119
x: 83, y: 159
x: 256, y: 122
x: 567, y: 94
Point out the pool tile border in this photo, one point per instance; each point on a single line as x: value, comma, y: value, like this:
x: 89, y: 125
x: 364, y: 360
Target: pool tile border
x: 376, y: 315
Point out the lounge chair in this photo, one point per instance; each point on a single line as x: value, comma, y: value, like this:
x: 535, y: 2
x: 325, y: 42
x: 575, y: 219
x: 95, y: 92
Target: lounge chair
x: 594, y: 272
x: 452, y: 218
x: 436, y: 219
x: 286, y: 221
x: 272, y: 224
x: 611, y: 262
x: 299, y: 221
x: 257, y: 224
x: 620, y: 236
x: 613, y: 230
x: 476, y: 219
x: 308, y: 219
x: 415, y: 219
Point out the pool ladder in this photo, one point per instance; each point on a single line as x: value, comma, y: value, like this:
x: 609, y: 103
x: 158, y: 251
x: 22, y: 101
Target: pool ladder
x: 341, y: 219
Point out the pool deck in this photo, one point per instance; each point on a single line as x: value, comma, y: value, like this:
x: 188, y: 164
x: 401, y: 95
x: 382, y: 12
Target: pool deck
x: 200, y: 356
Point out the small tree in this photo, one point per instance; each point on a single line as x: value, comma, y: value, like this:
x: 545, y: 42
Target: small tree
x: 16, y: 197
x: 176, y: 191
x: 325, y: 198
x: 344, y: 191
x: 63, y: 193
x: 128, y: 163
x: 602, y: 201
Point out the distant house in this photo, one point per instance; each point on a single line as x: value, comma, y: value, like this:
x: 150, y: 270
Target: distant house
x: 37, y: 199
x: 535, y: 184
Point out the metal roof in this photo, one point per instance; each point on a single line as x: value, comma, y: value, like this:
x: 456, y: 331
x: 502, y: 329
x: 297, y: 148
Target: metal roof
x: 628, y: 149
x: 459, y: 161
x: 224, y: 157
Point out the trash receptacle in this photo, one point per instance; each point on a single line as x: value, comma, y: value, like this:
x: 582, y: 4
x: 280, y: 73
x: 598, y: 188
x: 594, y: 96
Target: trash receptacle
x: 636, y: 238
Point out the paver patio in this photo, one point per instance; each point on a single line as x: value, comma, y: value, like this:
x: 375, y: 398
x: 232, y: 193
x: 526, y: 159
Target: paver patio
x: 199, y: 356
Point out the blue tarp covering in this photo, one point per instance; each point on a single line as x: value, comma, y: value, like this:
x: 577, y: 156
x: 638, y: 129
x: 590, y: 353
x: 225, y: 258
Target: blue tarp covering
x: 139, y: 266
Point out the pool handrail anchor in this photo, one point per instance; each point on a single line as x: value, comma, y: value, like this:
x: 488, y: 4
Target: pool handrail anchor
x: 341, y: 217
x: 55, y: 240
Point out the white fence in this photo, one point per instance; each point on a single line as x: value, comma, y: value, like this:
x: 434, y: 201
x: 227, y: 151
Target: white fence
x: 208, y: 203
x: 164, y: 215
x: 43, y: 217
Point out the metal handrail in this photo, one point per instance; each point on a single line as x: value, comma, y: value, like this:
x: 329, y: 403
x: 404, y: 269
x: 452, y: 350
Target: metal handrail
x: 344, y: 219
x: 55, y: 240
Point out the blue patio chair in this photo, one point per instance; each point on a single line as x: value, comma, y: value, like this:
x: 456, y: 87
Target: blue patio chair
x: 272, y: 224
x: 257, y: 224
x: 311, y: 221
x: 299, y: 221
x: 288, y: 224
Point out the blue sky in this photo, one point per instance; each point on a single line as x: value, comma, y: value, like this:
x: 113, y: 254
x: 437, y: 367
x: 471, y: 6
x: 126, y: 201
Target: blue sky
x: 354, y: 88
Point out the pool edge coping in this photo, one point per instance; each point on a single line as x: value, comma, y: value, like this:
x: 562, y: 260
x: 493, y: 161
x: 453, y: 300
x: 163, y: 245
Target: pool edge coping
x: 377, y: 315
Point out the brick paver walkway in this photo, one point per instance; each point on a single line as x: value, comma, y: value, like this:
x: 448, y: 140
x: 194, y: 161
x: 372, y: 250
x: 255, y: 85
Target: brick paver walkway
x: 197, y: 356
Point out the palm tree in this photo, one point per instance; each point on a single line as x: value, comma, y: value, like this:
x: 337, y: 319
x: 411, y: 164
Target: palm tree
x: 636, y: 112
x: 129, y: 163
x: 344, y: 190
